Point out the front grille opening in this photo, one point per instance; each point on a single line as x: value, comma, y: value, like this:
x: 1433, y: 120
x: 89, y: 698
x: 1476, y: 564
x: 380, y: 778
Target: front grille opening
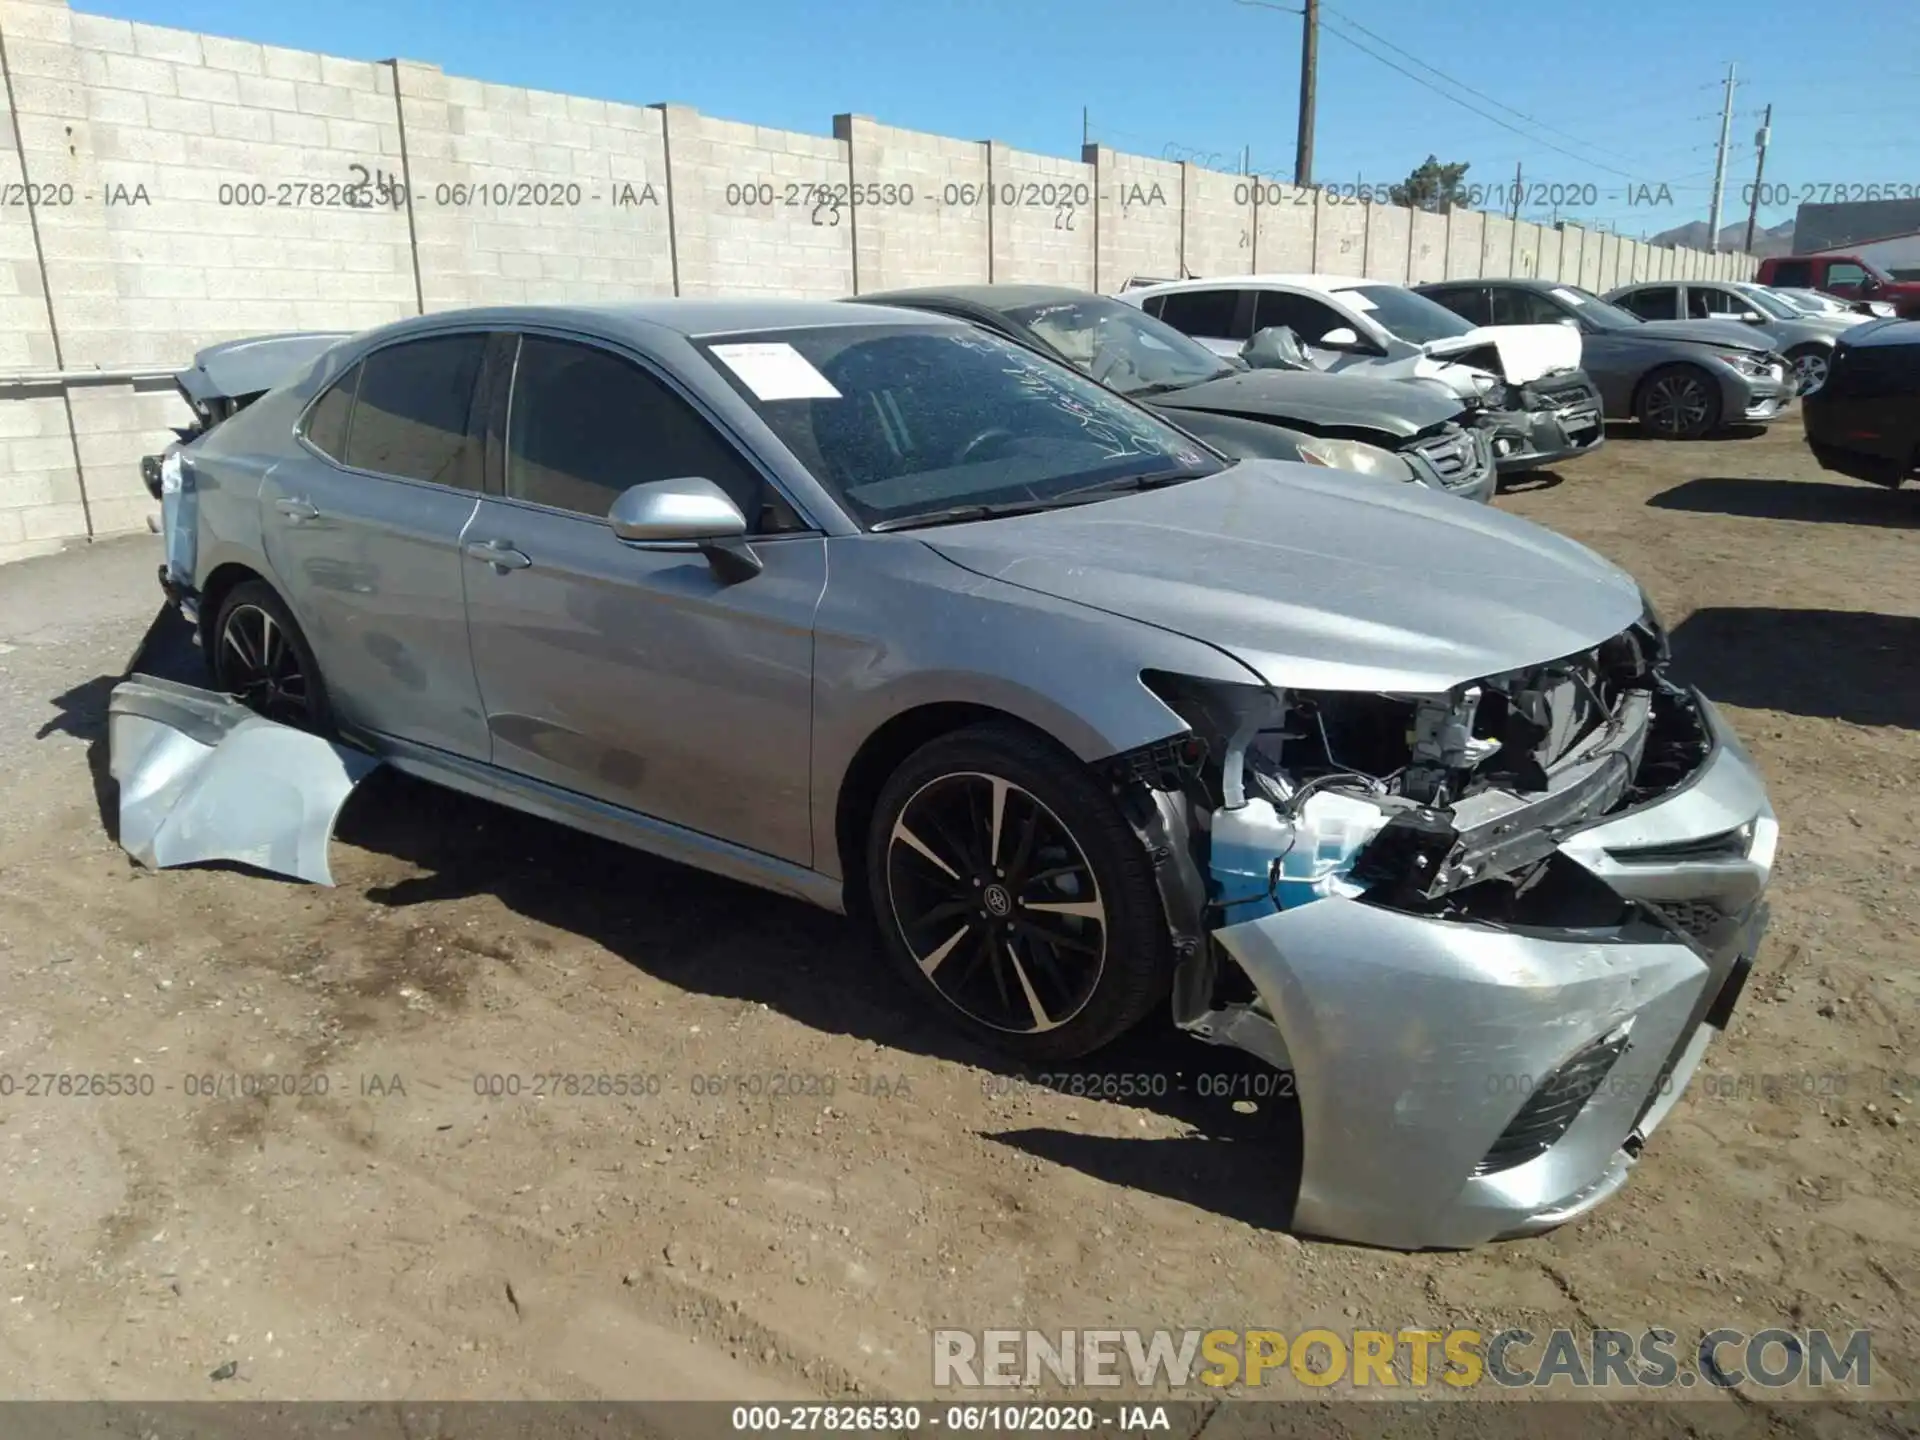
x: 1698, y: 918
x: 1553, y: 1105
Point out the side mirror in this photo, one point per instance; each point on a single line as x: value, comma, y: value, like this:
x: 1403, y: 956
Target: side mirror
x: 1753, y: 317
x: 1342, y: 338
x: 690, y: 510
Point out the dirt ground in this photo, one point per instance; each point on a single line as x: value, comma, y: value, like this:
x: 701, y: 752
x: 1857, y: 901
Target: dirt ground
x: 736, y: 1231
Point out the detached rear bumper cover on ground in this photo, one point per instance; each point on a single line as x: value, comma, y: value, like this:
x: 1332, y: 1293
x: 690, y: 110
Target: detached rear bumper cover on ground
x: 204, y: 778
x: 1415, y: 1041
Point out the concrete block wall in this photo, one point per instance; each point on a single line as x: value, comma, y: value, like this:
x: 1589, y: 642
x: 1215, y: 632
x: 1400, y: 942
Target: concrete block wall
x: 1284, y: 219
x: 1220, y: 226
x: 526, y: 196
x: 1040, y: 217
x: 917, y: 206
x: 164, y: 190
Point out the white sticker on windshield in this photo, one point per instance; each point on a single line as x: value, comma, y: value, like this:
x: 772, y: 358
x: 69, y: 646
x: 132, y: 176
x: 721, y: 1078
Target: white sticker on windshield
x: 1569, y: 296
x: 1357, y: 300
x: 776, y: 371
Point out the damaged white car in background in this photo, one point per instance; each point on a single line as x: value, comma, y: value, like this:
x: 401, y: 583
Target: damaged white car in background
x: 1537, y: 404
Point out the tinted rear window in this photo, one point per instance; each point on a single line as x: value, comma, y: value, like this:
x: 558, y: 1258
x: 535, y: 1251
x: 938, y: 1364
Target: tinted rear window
x: 410, y: 417
x: 326, y: 424
x: 1202, y: 312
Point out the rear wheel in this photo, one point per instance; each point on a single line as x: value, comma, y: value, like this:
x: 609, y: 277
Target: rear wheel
x: 1679, y: 402
x: 1012, y: 895
x: 261, y: 657
x: 1809, y: 364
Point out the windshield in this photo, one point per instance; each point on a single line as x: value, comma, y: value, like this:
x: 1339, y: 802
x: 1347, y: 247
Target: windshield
x: 1123, y: 348
x: 1769, y: 302
x: 1604, y: 314
x: 1414, y: 318
x: 900, y: 420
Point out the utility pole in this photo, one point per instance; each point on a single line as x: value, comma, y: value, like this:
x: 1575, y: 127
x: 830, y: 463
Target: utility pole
x: 1720, y: 166
x: 1759, y: 169
x: 1309, y: 54
x: 1517, y: 190
x: 1086, y: 128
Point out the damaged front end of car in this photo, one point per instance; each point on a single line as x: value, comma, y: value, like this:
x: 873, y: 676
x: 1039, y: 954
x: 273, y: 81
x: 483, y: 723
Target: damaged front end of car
x: 1489, y: 932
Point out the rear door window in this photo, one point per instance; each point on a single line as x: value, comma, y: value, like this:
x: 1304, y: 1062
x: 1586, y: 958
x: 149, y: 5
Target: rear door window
x: 325, y: 427
x: 1655, y: 302
x: 1515, y: 306
x: 1209, y: 314
x: 412, y: 416
x: 1469, y: 302
x: 1792, y: 274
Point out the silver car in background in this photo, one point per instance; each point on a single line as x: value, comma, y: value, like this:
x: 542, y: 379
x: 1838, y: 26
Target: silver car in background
x: 1805, y: 340
x: 882, y: 611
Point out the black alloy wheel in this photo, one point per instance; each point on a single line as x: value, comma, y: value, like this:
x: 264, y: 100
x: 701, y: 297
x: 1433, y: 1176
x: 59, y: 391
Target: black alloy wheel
x: 1010, y: 891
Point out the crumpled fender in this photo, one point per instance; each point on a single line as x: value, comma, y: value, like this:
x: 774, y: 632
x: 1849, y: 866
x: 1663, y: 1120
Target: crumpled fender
x: 204, y: 778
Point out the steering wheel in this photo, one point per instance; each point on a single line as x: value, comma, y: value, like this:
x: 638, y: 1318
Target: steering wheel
x: 992, y: 435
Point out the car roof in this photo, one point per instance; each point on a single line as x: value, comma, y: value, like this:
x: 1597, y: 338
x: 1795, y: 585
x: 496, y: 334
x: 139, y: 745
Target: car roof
x: 688, y: 316
x: 992, y: 297
x: 1517, y: 282
x: 1325, y: 284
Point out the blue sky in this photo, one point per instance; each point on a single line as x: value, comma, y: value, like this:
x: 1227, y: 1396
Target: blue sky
x: 1598, y: 99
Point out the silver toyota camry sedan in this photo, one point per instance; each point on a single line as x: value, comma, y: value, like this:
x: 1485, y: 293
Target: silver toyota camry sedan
x: 1083, y: 718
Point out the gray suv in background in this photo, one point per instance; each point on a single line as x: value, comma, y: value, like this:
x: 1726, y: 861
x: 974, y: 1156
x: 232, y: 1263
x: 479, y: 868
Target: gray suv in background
x: 1681, y: 379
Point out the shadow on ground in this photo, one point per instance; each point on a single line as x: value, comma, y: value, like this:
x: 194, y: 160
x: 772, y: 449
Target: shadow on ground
x: 1824, y: 500
x: 1850, y: 665
x: 716, y: 937
x: 713, y: 936
x: 1529, y: 480
x: 1630, y: 430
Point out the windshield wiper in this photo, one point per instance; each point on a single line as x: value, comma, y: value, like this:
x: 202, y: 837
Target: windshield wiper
x: 1152, y: 480
x: 960, y: 514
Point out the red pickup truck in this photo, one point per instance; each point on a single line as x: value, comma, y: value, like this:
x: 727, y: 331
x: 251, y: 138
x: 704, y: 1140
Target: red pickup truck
x: 1849, y: 276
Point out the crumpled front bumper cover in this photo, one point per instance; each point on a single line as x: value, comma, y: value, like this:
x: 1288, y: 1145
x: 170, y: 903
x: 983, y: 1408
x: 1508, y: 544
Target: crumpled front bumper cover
x: 1526, y: 439
x: 1416, y: 1040
x: 204, y: 778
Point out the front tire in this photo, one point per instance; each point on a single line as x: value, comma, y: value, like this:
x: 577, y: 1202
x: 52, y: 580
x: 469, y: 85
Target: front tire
x: 261, y: 657
x: 1011, y: 894
x: 1809, y: 365
x: 1678, y: 402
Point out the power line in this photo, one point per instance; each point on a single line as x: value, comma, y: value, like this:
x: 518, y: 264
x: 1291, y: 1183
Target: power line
x: 1346, y: 19
x: 1483, y: 114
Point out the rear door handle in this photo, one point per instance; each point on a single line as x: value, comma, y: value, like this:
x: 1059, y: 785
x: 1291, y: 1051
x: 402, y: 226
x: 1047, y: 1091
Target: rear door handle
x: 499, y: 554
x: 296, y: 509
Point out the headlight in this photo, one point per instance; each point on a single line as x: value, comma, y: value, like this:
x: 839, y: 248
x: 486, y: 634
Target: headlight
x: 171, y: 470
x: 1748, y: 364
x: 1355, y: 455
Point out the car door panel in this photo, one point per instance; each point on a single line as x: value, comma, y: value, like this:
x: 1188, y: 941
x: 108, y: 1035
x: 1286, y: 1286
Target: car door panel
x: 370, y: 566
x: 638, y: 676
x: 632, y: 672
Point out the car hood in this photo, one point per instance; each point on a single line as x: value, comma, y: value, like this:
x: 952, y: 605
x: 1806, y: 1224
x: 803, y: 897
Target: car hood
x: 1317, y: 401
x: 1724, y: 334
x: 1527, y: 352
x: 1317, y: 579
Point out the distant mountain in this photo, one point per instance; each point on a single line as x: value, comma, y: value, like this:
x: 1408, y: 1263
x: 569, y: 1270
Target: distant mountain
x: 1767, y: 240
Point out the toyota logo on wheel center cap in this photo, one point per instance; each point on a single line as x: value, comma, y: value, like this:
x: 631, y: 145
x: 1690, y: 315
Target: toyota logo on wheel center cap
x: 997, y: 900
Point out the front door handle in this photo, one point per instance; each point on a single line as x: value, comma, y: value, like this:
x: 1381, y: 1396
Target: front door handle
x: 497, y: 553
x: 296, y: 509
